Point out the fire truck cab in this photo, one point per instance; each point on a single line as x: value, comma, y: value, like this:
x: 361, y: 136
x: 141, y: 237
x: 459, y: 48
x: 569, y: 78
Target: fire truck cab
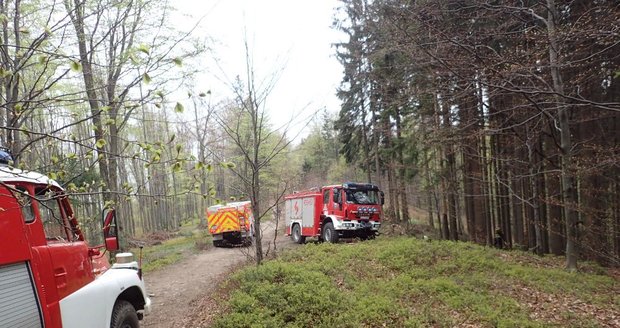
x: 330, y: 212
x: 49, y: 275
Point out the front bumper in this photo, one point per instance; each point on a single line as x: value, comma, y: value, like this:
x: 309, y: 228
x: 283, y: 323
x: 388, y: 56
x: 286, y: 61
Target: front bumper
x: 358, y: 225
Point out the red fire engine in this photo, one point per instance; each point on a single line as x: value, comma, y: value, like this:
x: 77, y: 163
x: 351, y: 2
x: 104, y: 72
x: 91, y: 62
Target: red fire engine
x: 330, y: 212
x: 49, y: 275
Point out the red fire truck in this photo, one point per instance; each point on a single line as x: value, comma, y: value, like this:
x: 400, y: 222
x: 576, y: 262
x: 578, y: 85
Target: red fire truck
x: 330, y: 212
x: 49, y: 275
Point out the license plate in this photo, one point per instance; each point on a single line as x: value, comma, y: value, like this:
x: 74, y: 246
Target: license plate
x: 364, y: 218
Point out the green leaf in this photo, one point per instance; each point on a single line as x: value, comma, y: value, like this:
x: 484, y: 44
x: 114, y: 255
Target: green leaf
x: 42, y: 59
x: 52, y: 175
x: 199, y: 165
x: 179, y: 147
x: 100, y: 143
x: 134, y: 60
x: 172, y: 137
x: 24, y: 30
x: 209, y: 167
x: 108, y: 204
x: 55, y: 159
x: 177, y: 61
x: 76, y: 67
x: 176, y: 167
x: 146, y: 78
x: 5, y: 73
x: 144, y: 48
x: 178, y: 108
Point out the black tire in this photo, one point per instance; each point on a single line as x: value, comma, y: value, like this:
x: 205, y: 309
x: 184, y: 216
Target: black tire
x: 296, y: 235
x: 329, y: 233
x: 124, y: 315
x: 218, y: 243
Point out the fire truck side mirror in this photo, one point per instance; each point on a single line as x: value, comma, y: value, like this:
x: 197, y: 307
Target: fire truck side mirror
x: 382, y: 196
x: 110, y: 230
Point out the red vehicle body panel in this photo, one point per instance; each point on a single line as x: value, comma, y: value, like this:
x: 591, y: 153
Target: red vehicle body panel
x: 58, y: 267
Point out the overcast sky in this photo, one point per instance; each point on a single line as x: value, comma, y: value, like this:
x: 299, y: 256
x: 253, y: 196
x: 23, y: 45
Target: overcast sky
x: 290, y: 39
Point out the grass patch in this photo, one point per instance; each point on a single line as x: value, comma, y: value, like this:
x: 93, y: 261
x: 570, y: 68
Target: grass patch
x: 173, y: 250
x: 405, y: 282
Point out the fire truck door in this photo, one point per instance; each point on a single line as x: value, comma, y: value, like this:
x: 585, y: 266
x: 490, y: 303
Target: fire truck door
x: 71, y: 264
x: 337, y: 203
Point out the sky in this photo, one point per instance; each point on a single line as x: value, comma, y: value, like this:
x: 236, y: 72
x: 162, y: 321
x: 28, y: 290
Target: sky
x: 289, y: 39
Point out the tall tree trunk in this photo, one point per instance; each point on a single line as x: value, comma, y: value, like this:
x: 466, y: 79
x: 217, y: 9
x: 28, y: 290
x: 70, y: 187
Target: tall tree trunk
x: 402, y: 192
x: 430, y: 186
x: 77, y: 17
x: 568, y: 180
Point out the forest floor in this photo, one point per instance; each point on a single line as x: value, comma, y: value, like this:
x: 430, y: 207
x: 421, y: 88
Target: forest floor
x: 176, y: 290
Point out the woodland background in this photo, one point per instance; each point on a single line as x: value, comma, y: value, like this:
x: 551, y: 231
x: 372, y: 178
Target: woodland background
x: 488, y: 115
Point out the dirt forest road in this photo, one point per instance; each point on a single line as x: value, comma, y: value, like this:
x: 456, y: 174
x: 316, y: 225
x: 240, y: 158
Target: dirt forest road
x: 176, y: 289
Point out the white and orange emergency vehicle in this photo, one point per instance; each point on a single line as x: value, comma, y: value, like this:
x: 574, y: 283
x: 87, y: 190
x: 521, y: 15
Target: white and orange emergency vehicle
x: 231, y: 224
x: 49, y: 275
x: 328, y: 213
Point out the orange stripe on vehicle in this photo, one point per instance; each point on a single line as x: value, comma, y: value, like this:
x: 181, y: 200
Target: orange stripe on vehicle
x: 216, y: 219
x: 229, y: 222
x: 215, y: 222
x: 212, y: 219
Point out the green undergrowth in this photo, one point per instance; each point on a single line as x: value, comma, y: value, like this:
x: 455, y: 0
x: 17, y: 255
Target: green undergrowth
x: 405, y: 282
x: 172, y: 250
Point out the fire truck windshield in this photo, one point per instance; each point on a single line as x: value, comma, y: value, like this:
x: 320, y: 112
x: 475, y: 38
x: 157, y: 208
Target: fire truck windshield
x: 362, y: 197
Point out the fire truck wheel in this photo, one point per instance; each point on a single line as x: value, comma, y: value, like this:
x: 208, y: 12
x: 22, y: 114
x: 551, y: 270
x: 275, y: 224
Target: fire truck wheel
x: 124, y: 315
x: 297, y: 237
x: 329, y: 233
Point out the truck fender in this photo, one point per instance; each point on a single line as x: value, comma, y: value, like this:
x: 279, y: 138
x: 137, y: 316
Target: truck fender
x: 290, y: 226
x: 93, y: 304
